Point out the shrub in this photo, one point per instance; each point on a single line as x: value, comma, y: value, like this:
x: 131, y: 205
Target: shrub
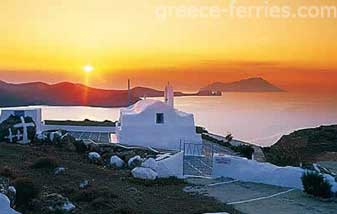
x: 7, y: 172
x: 315, y: 184
x: 158, y: 182
x: 45, y: 163
x: 200, y: 130
x: 244, y: 150
x: 26, y: 190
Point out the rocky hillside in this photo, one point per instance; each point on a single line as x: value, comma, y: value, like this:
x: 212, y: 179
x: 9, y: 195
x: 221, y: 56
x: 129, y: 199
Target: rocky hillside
x: 88, y: 187
x: 304, y: 146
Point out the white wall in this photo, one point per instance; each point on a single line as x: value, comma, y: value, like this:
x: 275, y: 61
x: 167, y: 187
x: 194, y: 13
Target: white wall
x: 35, y: 114
x: 171, y: 166
x: 80, y: 128
x: 252, y: 171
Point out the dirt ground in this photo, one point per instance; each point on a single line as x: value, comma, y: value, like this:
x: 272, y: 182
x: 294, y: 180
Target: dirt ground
x: 110, y: 191
x: 293, y: 202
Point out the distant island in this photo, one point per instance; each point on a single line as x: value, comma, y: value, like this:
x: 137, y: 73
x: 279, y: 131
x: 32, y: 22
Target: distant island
x: 72, y: 94
x: 256, y: 84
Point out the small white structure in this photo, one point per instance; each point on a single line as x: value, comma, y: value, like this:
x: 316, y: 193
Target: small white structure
x: 34, y: 113
x: 153, y: 123
x: 265, y: 173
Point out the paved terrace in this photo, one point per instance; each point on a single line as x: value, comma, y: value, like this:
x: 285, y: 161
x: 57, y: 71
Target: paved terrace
x: 253, y: 198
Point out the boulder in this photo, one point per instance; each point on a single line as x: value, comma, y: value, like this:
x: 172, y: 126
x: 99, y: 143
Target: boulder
x: 56, y: 202
x: 5, y: 207
x: 115, y: 161
x: 135, y: 161
x: 67, y: 139
x: 126, y: 154
x: 41, y: 137
x: 55, y: 137
x: 59, y: 170
x: 4, y: 184
x: 94, y: 156
x: 150, y: 163
x: 144, y: 173
x: 84, y: 184
x: 80, y: 146
x: 11, y: 193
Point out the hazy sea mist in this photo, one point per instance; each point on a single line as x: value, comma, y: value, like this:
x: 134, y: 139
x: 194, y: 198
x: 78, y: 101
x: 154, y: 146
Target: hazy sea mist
x: 260, y: 118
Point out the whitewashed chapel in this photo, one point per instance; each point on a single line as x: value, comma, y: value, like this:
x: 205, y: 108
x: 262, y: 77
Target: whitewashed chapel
x: 156, y: 124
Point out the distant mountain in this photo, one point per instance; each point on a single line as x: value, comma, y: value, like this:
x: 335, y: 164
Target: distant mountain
x: 70, y: 94
x: 256, y: 84
x: 64, y: 94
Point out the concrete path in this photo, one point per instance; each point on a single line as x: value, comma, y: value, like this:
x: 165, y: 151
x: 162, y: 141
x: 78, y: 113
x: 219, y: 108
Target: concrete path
x: 252, y: 198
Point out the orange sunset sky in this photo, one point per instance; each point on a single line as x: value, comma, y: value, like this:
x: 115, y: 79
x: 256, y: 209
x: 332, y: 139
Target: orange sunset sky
x: 51, y: 41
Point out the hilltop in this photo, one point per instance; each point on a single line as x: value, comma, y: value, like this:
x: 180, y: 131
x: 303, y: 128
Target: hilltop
x: 256, y: 84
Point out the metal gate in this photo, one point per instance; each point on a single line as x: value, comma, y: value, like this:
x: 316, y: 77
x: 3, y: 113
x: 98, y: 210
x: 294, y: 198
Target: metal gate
x: 198, y: 159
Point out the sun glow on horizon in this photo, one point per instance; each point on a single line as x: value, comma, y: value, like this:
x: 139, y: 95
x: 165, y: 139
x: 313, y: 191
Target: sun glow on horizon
x: 88, y: 68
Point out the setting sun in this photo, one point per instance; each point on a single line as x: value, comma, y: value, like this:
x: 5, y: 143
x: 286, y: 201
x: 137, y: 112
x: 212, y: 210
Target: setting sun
x: 88, y: 68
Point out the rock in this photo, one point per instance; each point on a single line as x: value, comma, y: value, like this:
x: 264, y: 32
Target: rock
x: 67, y: 139
x: 144, y: 173
x: 11, y: 133
x: 41, y: 137
x: 59, y: 170
x: 84, y: 184
x: 115, y: 161
x: 55, y: 137
x: 126, y: 155
x: 94, y: 156
x: 80, y: 146
x: 150, y: 163
x: 135, y: 161
x: 56, y: 202
x: 11, y: 193
x: 5, y: 207
x: 4, y: 184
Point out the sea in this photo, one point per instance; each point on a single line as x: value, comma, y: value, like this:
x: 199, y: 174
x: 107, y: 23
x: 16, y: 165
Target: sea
x: 258, y: 118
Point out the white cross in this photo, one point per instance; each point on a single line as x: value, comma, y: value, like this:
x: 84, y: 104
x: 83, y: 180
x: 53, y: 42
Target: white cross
x: 10, y: 137
x: 24, y: 125
x: 18, y: 135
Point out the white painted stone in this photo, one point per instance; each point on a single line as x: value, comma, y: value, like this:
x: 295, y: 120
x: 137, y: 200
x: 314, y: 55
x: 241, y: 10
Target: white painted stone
x: 12, y: 190
x: 59, y: 170
x: 54, y: 135
x: 68, y: 206
x: 131, y: 161
x: 94, y: 156
x: 150, y: 163
x: 144, y: 173
x: 116, y: 161
x: 5, y: 205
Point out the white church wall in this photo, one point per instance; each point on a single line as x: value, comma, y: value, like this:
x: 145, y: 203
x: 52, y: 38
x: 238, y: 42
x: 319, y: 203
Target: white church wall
x: 140, y: 128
